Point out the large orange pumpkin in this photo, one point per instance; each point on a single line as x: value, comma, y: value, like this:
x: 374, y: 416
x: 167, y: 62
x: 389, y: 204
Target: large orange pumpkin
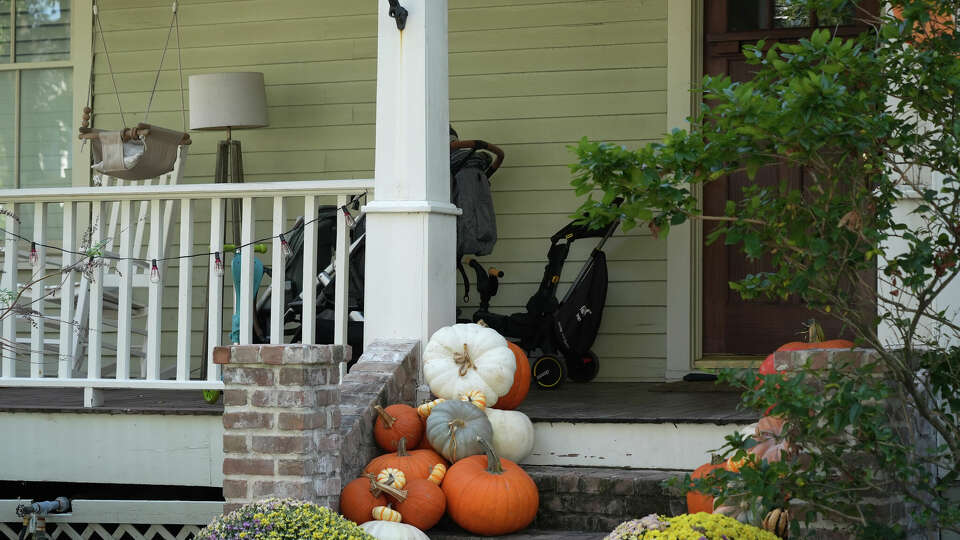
x: 414, y: 464
x: 397, y: 422
x: 521, y: 381
x: 424, y: 505
x: 424, y: 443
x: 361, y: 496
x: 490, y: 496
x: 815, y: 340
x: 700, y: 502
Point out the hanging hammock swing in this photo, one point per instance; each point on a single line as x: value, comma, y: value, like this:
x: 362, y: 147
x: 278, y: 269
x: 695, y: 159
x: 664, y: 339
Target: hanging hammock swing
x: 140, y: 152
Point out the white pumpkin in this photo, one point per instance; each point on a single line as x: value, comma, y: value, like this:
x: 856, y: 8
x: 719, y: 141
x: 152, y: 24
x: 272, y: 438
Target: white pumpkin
x: 465, y: 357
x: 391, y: 530
x: 512, y: 434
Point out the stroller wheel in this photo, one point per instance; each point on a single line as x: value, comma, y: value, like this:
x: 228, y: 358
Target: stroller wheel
x: 549, y: 372
x: 585, y: 368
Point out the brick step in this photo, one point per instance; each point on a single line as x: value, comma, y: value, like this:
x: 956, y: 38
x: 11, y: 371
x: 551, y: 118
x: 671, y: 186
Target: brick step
x: 597, y: 499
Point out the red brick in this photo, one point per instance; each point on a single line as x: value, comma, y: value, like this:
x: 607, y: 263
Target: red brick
x: 271, y: 354
x: 248, y: 466
x: 236, y: 444
x: 245, y: 354
x: 247, y: 420
x: 304, y: 376
x: 295, y: 467
x: 328, y: 396
x: 221, y: 355
x: 296, y: 489
x: 248, y: 375
x: 263, y: 398
x: 230, y: 507
x: 274, y: 444
x: 294, y: 399
x: 234, y: 489
x: 302, y: 421
x: 234, y: 398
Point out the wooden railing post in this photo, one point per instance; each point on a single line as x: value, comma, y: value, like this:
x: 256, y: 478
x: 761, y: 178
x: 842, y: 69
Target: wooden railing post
x: 67, y: 328
x: 185, y: 290
x: 8, y: 351
x: 278, y: 278
x: 38, y: 292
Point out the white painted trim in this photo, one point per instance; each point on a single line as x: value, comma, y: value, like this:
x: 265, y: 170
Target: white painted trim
x: 191, y: 191
x: 682, y: 16
x: 49, y: 382
x: 633, y: 446
x: 146, y: 449
x: 132, y: 512
x: 406, y: 207
x: 81, y: 40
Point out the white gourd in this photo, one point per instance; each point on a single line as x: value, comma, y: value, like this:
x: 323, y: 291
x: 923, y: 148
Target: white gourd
x: 465, y: 357
x: 391, y: 530
x: 513, y: 434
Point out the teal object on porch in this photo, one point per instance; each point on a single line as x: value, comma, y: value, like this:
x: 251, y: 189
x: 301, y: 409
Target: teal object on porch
x: 235, y: 274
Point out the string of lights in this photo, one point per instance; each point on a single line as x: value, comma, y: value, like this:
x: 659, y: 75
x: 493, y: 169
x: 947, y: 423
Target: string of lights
x: 94, y: 254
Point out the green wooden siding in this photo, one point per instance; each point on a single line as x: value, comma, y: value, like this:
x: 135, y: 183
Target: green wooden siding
x: 532, y: 76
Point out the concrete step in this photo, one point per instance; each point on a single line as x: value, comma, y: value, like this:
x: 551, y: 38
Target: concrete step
x: 597, y: 499
x: 529, y: 534
x: 585, y: 503
x: 630, y: 424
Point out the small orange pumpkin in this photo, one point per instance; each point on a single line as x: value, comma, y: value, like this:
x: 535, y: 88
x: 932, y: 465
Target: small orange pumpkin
x: 397, y: 422
x: 437, y: 474
x: 700, y: 502
x: 476, y: 397
x: 521, y: 381
x: 488, y: 495
x: 385, y: 513
x: 392, y: 477
x: 361, y: 496
x: 414, y: 464
x: 424, y: 505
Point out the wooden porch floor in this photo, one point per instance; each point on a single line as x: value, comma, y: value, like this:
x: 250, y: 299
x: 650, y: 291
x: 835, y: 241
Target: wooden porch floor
x: 592, y: 403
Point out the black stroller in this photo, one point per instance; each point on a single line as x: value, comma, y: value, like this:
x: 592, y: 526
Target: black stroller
x: 476, y: 160
x: 568, y: 326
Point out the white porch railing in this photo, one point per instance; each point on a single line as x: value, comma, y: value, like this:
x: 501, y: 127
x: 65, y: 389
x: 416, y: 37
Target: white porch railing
x: 66, y: 346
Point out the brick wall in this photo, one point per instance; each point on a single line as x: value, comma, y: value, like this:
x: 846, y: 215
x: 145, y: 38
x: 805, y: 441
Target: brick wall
x: 912, y: 427
x: 292, y: 428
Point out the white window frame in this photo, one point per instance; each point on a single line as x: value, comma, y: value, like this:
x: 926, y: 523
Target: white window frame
x: 80, y: 62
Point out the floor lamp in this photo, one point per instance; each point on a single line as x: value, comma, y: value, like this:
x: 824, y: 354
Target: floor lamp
x: 227, y: 101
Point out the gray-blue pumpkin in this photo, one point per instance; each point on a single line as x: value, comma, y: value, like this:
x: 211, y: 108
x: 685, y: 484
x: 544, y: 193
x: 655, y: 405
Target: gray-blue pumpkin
x: 453, y: 428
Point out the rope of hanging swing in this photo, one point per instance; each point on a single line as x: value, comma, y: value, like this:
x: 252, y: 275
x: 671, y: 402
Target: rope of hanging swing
x: 174, y: 24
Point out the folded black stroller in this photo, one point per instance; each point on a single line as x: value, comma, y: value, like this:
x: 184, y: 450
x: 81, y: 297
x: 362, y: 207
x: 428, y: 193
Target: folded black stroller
x: 472, y: 163
x: 326, y: 279
x: 567, y: 327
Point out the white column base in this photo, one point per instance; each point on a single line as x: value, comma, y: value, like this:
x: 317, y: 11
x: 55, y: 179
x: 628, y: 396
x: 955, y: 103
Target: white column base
x: 412, y: 244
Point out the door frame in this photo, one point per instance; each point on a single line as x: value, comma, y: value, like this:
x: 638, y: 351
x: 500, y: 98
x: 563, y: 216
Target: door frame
x: 684, y: 258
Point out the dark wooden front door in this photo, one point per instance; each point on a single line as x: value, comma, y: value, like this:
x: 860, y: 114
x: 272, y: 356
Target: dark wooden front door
x: 732, y: 326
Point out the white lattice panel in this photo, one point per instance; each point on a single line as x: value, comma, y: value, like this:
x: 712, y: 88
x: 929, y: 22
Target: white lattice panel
x: 97, y: 531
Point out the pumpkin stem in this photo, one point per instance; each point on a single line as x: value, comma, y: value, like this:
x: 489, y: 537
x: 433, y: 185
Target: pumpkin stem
x: 402, y: 447
x: 463, y: 360
x: 483, y: 323
x: 453, y: 426
x: 716, y: 459
x: 493, y: 461
x: 385, y: 416
x: 814, y: 332
x: 376, y: 488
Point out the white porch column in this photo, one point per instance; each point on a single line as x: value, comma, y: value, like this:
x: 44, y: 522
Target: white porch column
x: 411, y: 226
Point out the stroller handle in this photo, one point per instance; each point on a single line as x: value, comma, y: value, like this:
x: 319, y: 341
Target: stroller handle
x: 482, y: 145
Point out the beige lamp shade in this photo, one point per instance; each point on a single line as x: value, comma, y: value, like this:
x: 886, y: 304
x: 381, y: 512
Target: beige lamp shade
x: 228, y: 100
